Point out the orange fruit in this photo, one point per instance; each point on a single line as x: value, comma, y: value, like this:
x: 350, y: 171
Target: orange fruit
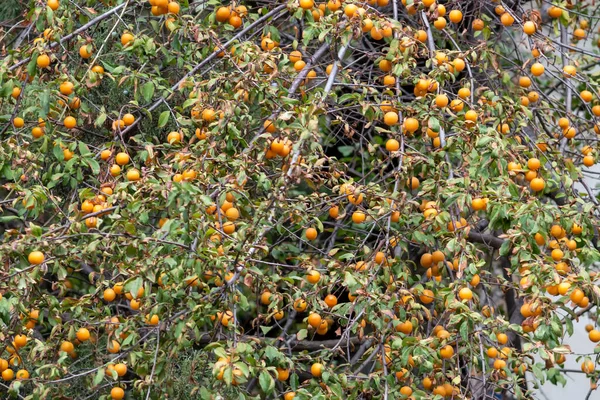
x: 313, y: 276
x: 537, y: 69
x: 311, y: 233
x: 82, y: 334
x: 465, y: 294
x: 440, y: 23
x: 35, y: 257
x: 537, y: 184
x: 122, y: 158
x: 316, y: 370
x: 478, y: 24
x: 67, y: 347
x: 524, y: 82
x: 390, y: 118
x: 128, y: 119
x: 331, y: 300
x: 427, y: 296
x: 109, y: 295
x: 307, y: 4
x: 446, y: 352
x: 455, y: 16
x: 392, y: 145
x: 70, y: 122
x: 43, y: 61
x: 441, y: 100
x: 314, y: 320
x: 529, y: 28
x: 84, y: 52
x: 507, y: 19
x: 594, y: 336
x: 117, y: 393
x: 555, y: 12
x: 66, y: 88
x: 358, y: 217
x: 223, y: 14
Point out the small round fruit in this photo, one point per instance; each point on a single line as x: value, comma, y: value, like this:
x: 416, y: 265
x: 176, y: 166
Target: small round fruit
x: 316, y: 370
x: 82, y: 334
x: 36, y: 258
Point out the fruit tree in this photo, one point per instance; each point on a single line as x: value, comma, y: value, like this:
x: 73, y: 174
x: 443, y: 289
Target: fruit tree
x: 374, y: 199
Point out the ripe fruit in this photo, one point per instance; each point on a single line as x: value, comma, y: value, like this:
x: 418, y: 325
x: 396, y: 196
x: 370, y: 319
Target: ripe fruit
x: 594, y: 336
x: 316, y: 370
x: 311, y: 233
x: 53, y: 4
x: 67, y: 347
x: 128, y: 119
x: 533, y: 164
x: 84, y: 52
x: 587, y: 366
x: 390, y: 118
x: 18, y: 122
x: 8, y: 374
x: 426, y: 296
x: 358, y: 217
x: 109, y: 295
x: 117, y: 393
x: 313, y: 276
x: 314, y: 320
x: 569, y: 71
x: 133, y: 175
x: 307, y: 4
x: 392, y: 145
x: 174, y: 137
x: 35, y: 257
x: 113, y: 347
x: 465, y: 294
x: 43, y: 61
x: 300, y: 305
x: 223, y: 14
x: 82, y: 334
x: 537, y: 69
x: 478, y: 204
x: 440, y: 23
x: 295, y: 56
x: 331, y: 300
x: 66, y: 88
x: 122, y: 158
x: 411, y: 125
x: 446, y: 352
x: 507, y: 19
x: 126, y: 38
x: 441, y: 100
x: 555, y: 12
x: 537, y: 184
x: 350, y: 10
x: 283, y: 374
x: 529, y: 28
x: 20, y: 341
x: 478, y: 24
x: 455, y: 16
x: 70, y: 122
x: 524, y: 82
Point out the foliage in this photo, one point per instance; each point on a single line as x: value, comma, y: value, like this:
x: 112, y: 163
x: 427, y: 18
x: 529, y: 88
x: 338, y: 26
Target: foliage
x: 335, y: 200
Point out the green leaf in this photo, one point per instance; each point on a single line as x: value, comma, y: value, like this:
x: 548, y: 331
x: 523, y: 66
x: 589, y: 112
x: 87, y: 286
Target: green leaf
x: 95, y: 167
x: 505, y: 248
x: 99, y: 376
x: 148, y: 91
x: 100, y: 120
x: 302, y: 334
x: 163, y: 119
x: 267, y: 383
